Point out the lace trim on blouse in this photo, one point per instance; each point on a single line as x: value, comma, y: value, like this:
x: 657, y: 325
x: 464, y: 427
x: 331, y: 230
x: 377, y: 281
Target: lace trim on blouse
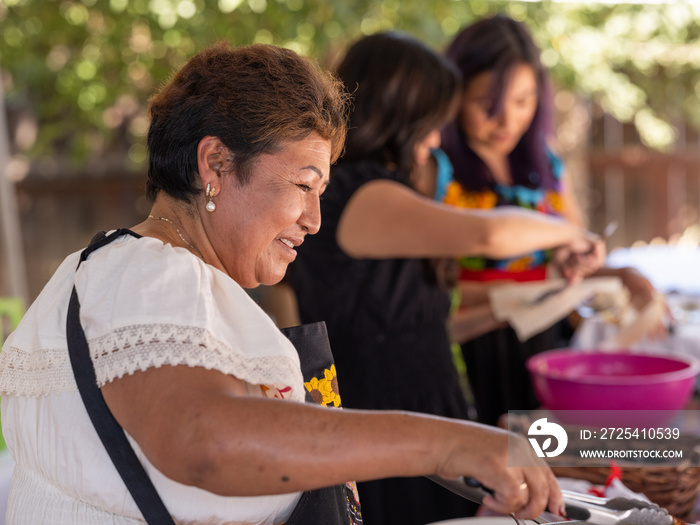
x: 139, y: 347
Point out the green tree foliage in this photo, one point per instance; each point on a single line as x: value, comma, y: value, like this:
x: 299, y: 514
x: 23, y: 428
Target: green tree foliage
x: 77, y: 74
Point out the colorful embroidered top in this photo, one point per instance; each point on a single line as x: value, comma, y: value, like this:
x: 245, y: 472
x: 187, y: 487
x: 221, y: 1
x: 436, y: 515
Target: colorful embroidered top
x: 525, y: 268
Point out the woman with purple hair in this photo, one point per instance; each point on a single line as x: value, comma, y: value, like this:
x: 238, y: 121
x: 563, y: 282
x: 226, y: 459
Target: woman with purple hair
x: 498, y: 147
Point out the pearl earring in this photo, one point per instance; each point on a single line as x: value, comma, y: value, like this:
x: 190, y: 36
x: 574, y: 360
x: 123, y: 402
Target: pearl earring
x: 210, y: 193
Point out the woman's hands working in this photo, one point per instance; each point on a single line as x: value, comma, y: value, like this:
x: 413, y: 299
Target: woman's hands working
x: 641, y: 295
x: 581, y: 258
x: 205, y: 429
x: 525, y: 489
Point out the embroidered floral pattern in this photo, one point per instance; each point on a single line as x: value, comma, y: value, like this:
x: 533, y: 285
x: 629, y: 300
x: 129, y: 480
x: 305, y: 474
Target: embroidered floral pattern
x: 325, y: 391
x: 519, y: 265
x: 554, y: 202
x: 458, y: 196
x: 353, y: 503
x: 273, y: 391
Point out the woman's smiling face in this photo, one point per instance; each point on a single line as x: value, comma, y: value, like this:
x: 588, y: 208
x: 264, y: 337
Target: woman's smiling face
x: 257, y: 225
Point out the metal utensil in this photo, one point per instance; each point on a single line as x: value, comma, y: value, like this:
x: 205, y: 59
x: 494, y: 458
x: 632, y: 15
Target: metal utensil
x: 471, y: 489
x: 615, y: 511
x: 583, y: 508
x: 610, y: 228
x: 540, y: 298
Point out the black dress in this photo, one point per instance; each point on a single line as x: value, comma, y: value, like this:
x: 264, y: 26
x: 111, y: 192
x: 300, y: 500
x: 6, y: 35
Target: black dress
x: 497, y: 373
x: 387, y: 327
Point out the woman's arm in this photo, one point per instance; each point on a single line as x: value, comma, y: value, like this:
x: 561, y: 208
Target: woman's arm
x: 474, y: 317
x: 473, y: 321
x: 385, y: 219
x: 475, y: 293
x: 199, y: 427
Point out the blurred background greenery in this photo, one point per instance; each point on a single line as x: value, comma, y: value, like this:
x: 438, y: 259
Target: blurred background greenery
x: 77, y: 74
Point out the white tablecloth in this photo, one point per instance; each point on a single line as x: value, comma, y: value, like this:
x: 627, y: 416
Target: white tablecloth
x: 669, y: 268
x: 684, y: 339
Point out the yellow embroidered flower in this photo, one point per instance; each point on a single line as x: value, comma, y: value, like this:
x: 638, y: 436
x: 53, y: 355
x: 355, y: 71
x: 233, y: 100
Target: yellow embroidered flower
x: 324, y: 391
x: 312, y: 387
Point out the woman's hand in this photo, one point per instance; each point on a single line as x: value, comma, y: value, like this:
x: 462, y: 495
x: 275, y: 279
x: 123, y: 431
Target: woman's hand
x: 642, y: 294
x: 580, y: 258
x: 525, y: 490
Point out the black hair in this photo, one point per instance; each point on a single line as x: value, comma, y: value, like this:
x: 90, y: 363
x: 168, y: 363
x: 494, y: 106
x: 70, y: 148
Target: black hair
x: 498, y: 45
x: 402, y: 90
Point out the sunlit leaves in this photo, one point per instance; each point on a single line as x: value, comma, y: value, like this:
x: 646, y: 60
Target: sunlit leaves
x: 228, y: 6
x: 75, y: 14
x: 79, y: 72
x: 13, y: 36
x: 90, y: 96
x: 118, y: 6
x: 624, y: 57
x: 257, y: 6
x: 654, y: 131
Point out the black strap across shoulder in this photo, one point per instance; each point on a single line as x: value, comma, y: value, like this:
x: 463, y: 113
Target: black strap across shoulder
x: 108, y: 429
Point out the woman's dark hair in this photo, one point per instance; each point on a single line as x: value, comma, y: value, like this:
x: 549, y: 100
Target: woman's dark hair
x: 401, y: 90
x: 252, y: 98
x: 499, y: 44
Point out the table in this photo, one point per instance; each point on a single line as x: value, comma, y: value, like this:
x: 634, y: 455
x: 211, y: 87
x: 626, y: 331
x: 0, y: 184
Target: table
x: 670, y: 268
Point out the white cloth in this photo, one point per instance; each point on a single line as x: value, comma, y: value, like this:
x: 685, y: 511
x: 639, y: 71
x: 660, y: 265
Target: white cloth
x: 522, y: 304
x: 143, y: 304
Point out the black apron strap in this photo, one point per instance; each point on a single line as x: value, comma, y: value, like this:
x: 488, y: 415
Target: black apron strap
x: 340, y: 504
x: 327, y: 506
x: 108, y: 429
x: 311, y: 343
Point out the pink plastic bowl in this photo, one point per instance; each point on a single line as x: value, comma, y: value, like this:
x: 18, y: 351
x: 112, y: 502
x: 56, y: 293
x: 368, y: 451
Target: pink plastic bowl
x: 574, y: 380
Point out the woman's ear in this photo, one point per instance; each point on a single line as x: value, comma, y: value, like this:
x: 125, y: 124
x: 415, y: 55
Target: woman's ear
x: 211, y: 155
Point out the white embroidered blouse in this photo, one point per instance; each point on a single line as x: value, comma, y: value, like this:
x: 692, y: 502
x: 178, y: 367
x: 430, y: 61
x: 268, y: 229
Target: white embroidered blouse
x: 143, y: 304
